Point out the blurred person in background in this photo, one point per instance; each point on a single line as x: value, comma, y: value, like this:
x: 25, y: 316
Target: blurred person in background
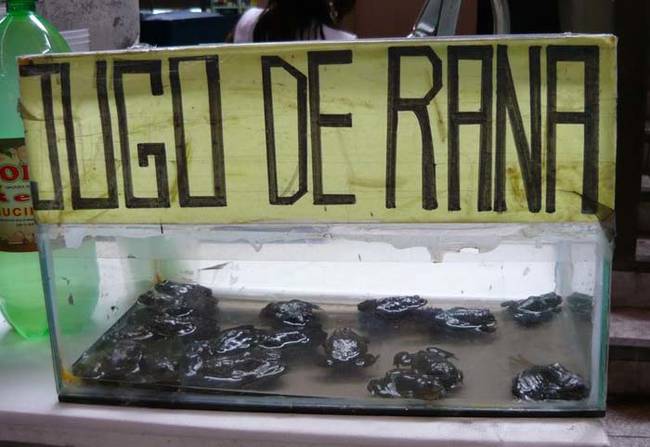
x: 286, y: 20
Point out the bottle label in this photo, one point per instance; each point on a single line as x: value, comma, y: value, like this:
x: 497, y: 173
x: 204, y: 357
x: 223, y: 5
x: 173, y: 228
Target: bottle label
x: 17, y: 226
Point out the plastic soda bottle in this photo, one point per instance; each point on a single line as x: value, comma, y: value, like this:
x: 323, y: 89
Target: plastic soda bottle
x: 22, y: 303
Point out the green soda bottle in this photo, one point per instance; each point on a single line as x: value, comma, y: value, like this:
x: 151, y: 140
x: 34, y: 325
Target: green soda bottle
x: 76, y: 275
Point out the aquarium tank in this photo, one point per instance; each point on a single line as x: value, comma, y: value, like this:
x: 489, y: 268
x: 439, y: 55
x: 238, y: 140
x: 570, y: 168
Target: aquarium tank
x: 414, y: 226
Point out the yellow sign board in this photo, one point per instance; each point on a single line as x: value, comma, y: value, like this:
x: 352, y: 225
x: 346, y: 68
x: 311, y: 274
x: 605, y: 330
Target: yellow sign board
x: 445, y: 130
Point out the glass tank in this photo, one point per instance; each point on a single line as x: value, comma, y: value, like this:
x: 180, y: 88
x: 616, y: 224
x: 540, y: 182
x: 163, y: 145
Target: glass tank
x: 411, y: 226
x: 433, y: 319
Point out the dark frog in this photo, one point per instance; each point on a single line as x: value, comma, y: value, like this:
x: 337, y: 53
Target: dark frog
x: 581, y: 305
x: 432, y: 362
x: 534, y: 309
x: 173, y: 309
x: 174, y: 321
x: 345, y: 348
x: 408, y: 384
x: 237, y: 339
x: 170, y: 293
x: 195, y: 297
x: 184, y: 291
x: 116, y: 362
x: 293, y: 313
x: 458, y: 320
x: 161, y: 361
x: 391, y: 308
x: 293, y: 338
x: 135, y: 326
x: 235, y: 370
x: 389, y: 314
x: 549, y: 382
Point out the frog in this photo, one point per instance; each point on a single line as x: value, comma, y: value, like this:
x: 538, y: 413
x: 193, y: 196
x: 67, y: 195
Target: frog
x: 160, y: 361
x: 239, y: 369
x: 385, y: 316
x: 137, y: 332
x: 236, y: 339
x: 246, y: 338
x: 535, y: 309
x: 118, y: 361
x: 549, y: 382
x: 167, y: 293
x: 458, y: 320
x: 136, y: 326
x: 184, y: 291
x: 581, y: 305
x: 294, y: 313
x: 168, y: 321
x: 293, y: 338
x: 394, y: 307
x: 433, y: 362
x: 170, y: 294
x: 408, y: 384
x: 345, y: 348
x: 173, y: 321
x: 153, y: 298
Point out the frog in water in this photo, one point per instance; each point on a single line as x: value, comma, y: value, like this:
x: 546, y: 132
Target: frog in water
x: 346, y: 348
x: 433, y: 362
x: 549, y: 382
x: 294, y: 313
x: 534, y: 309
x: 458, y: 320
x: 407, y: 384
x: 389, y: 313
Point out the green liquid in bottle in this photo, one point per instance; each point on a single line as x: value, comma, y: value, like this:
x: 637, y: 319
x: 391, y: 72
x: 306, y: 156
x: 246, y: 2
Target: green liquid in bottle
x: 21, y: 294
x: 75, y: 274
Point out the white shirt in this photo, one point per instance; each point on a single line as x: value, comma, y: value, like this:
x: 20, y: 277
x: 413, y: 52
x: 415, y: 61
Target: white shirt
x: 246, y: 26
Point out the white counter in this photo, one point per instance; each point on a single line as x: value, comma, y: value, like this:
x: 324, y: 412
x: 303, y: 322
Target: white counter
x: 30, y: 412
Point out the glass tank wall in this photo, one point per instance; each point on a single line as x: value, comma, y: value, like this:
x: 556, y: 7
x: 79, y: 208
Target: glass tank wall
x: 395, y: 319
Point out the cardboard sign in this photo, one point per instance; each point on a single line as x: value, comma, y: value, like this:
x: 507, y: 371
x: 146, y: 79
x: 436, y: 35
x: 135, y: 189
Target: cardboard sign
x: 455, y: 130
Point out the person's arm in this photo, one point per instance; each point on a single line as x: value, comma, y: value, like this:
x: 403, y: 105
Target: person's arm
x: 337, y: 34
x: 246, y: 25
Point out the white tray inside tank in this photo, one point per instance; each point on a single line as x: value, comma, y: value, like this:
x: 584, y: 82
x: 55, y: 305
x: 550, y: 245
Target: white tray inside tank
x: 337, y: 266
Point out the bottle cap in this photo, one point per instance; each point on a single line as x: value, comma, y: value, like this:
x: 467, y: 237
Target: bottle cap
x: 21, y: 5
